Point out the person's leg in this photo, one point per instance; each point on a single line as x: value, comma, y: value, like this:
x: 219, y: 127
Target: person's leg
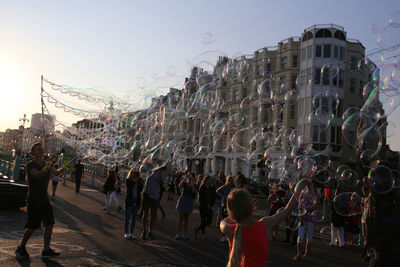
x: 299, y: 242
x: 333, y: 235
x: 134, y: 215
x: 77, y: 184
x: 108, y: 201
x: 153, y: 214
x: 202, y: 225
x: 145, y: 217
x: 180, y: 223
x: 128, y: 212
x: 55, y: 187
x: 341, y: 236
x: 48, y: 231
x: 161, y: 209
x: 114, y: 197
x: 27, y: 235
x: 185, y: 223
x: 310, y: 231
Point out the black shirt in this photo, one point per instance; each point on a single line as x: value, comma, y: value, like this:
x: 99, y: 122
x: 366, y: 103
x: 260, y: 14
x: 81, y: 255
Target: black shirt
x: 37, y: 186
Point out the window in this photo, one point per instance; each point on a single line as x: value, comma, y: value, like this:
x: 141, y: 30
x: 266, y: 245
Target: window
x: 339, y: 110
x: 336, y: 132
x: 318, y: 51
x: 292, y: 111
x: 259, y: 70
x: 281, y: 117
x: 307, y: 36
x: 294, y: 61
x: 269, y: 67
x: 315, y: 133
x: 322, y: 135
x: 308, y: 76
x: 352, y: 85
x: 303, y: 53
x: 294, y: 79
x: 325, y: 77
x: 284, y: 63
x: 309, y: 52
x: 254, y: 114
x: 335, y: 51
x: 301, y: 102
x: 316, y: 104
x: 323, y: 33
x: 235, y: 95
x: 361, y: 87
x: 325, y: 104
x: 317, y: 76
x: 306, y: 106
x: 339, y: 35
x: 353, y: 64
x: 244, y: 92
x: 341, y: 57
x: 265, y: 115
x: 327, y: 50
x: 283, y: 83
x: 341, y: 78
x: 224, y: 96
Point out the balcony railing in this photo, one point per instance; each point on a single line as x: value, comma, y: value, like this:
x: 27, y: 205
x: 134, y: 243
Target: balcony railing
x: 320, y: 26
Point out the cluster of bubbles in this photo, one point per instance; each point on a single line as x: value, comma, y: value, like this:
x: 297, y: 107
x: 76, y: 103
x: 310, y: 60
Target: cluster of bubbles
x: 365, y: 128
x: 197, y: 120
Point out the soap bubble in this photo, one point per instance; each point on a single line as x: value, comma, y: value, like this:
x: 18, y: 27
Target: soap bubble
x: 380, y: 179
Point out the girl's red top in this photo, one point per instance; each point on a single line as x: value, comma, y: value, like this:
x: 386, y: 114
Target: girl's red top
x: 255, y: 244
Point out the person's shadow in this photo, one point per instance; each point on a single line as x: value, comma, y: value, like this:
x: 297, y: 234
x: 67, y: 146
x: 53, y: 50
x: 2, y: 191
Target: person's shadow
x: 47, y: 262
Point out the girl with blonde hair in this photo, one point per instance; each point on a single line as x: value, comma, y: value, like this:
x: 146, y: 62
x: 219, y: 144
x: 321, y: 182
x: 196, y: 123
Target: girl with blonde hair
x: 248, y: 238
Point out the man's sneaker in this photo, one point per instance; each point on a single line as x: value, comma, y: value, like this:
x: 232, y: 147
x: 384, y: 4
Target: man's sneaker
x: 21, y: 253
x: 132, y: 236
x: 126, y: 236
x: 177, y: 237
x: 46, y: 254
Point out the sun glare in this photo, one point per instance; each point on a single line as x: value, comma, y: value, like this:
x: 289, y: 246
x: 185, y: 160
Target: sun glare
x: 10, y: 88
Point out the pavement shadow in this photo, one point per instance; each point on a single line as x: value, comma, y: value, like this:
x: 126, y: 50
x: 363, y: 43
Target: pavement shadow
x: 24, y: 262
x: 67, y: 212
x: 52, y: 263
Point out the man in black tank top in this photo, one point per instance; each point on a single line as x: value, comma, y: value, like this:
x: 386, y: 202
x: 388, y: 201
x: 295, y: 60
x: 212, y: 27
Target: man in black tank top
x: 38, y: 205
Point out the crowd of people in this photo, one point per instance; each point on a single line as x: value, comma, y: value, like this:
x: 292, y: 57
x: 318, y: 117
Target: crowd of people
x: 371, y: 221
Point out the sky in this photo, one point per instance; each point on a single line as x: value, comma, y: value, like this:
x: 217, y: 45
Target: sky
x: 121, y: 45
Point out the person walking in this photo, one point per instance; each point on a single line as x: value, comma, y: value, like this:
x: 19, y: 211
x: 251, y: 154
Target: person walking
x: 185, y: 204
x: 150, y: 199
x: 248, y: 238
x: 38, y: 205
x: 78, y: 170
x: 109, y: 188
x: 206, y: 199
x: 54, y: 178
x: 134, y: 186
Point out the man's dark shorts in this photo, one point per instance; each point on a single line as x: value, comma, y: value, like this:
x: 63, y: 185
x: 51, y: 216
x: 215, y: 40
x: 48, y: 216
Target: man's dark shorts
x: 39, y: 211
x: 149, y: 203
